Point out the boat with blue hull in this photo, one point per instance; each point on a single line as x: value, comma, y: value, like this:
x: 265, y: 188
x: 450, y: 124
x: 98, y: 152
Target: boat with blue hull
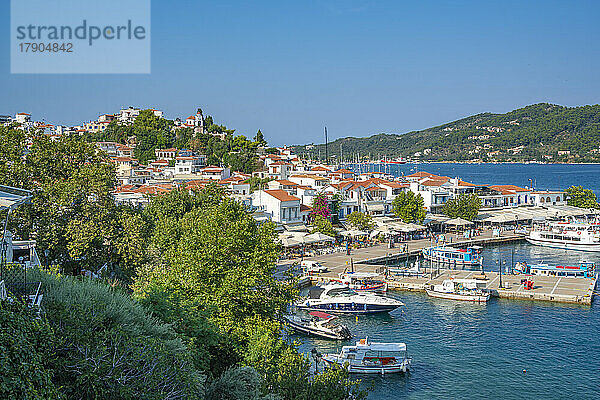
x: 469, y: 257
x: 586, y: 269
x: 339, y: 299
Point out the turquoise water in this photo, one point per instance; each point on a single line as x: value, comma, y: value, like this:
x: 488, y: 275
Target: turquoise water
x: 471, y: 351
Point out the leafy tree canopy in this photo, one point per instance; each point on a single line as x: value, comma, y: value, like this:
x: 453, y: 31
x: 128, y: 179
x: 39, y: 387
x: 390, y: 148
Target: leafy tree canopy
x: 580, y: 197
x: 360, y: 221
x: 464, y: 206
x: 409, y: 207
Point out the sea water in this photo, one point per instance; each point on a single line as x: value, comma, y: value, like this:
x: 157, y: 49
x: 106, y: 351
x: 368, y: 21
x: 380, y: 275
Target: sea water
x: 505, y: 349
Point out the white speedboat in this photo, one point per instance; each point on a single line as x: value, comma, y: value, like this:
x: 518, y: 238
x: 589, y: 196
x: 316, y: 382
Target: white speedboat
x: 362, y: 282
x: 469, y: 257
x: 461, y: 289
x: 567, y: 235
x: 371, y: 358
x: 321, y: 324
x: 340, y: 299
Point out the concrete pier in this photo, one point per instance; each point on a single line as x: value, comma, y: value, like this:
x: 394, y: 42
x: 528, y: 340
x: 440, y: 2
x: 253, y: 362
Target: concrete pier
x: 372, y: 259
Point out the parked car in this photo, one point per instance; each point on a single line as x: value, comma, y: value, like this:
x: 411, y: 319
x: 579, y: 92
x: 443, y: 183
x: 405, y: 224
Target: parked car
x: 313, y: 266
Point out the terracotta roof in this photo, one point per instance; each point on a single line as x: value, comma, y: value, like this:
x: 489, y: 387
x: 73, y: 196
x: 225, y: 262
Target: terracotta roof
x: 319, y: 168
x: 395, y: 185
x: 281, y: 195
x: 463, y: 183
x: 420, y: 174
x: 286, y: 182
x: 279, y: 163
x: 305, y: 208
x: 511, y: 188
x: 343, y: 171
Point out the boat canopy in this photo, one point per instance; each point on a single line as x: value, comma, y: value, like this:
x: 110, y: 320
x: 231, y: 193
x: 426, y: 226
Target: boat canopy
x: 396, y: 347
x: 322, y: 315
x: 363, y: 275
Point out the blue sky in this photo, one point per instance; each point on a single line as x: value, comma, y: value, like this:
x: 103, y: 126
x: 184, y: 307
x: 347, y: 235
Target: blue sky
x: 359, y: 67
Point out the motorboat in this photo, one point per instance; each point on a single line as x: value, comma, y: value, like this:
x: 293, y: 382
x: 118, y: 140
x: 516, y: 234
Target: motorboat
x: 586, y: 269
x: 362, y: 282
x: 339, y: 299
x: 371, y: 358
x: 567, y: 235
x: 461, y: 289
x: 320, y: 324
x: 469, y: 257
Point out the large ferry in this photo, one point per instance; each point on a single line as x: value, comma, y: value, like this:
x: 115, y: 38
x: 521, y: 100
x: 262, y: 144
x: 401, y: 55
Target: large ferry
x: 567, y: 235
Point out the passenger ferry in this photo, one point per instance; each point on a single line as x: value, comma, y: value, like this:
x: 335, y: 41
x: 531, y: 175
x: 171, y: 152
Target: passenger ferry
x: 469, y: 257
x: 339, y: 299
x: 371, y: 358
x: 567, y: 235
x: 362, y: 282
x: 586, y: 269
x: 461, y: 289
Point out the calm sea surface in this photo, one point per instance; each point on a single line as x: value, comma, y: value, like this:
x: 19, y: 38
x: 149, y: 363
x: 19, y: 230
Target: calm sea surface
x: 469, y: 351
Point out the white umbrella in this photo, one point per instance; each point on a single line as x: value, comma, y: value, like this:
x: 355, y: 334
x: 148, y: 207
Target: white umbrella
x: 458, y: 222
x: 319, y: 237
x: 289, y: 242
x: 353, y: 233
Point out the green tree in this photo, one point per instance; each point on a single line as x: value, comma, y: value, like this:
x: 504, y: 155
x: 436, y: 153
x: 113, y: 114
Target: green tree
x: 260, y: 139
x: 409, y: 207
x: 360, y: 221
x: 323, y: 225
x: 25, y: 347
x: 464, y: 206
x: 108, y: 346
x: 579, y: 197
x: 72, y: 211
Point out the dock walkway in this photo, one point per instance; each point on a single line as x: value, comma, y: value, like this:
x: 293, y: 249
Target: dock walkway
x: 371, y: 259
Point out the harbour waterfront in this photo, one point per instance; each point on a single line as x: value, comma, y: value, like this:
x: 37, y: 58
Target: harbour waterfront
x: 473, y: 351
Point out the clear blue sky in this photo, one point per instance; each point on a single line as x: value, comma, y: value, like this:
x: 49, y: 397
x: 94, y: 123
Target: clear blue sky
x: 359, y: 67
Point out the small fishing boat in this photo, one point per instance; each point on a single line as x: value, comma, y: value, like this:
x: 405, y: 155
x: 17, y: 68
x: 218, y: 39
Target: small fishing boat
x: 587, y: 269
x: 567, y: 235
x: 340, y: 299
x: 362, y: 282
x: 469, y: 257
x: 371, y: 358
x: 321, y: 324
x: 460, y: 289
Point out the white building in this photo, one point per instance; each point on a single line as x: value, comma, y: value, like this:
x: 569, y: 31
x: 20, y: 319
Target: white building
x: 215, y: 173
x: 279, y: 204
x: 188, y: 165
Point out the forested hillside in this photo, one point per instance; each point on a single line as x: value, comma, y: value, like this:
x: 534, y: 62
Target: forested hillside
x: 539, y: 132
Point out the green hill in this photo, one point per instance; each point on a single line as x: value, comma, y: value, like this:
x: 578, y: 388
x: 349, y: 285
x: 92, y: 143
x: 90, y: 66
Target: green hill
x: 539, y: 132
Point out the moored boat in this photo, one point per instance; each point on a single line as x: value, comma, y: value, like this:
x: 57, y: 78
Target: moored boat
x: 362, y: 282
x: 586, y: 269
x: 567, y: 235
x: 469, y: 257
x: 371, y: 358
x: 321, y: 324
x: 460, y: 289
x: 339, y: 299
